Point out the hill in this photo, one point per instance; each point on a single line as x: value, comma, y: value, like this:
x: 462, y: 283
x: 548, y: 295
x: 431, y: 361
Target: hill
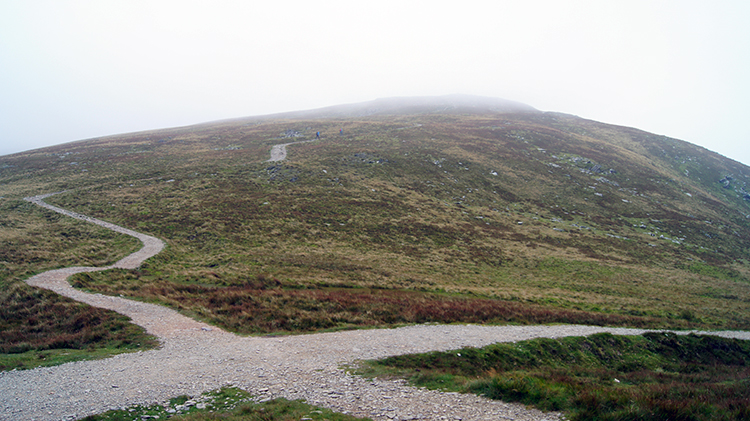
x: 447, y: 104
x: 445, y: 209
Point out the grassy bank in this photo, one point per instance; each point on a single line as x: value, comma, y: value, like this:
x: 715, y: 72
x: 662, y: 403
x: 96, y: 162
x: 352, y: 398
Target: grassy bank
x: 655, y: 376
x: 228, y: 404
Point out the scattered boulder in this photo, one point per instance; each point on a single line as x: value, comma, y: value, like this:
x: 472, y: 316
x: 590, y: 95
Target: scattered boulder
x: 282, y: 173
x: 726, y: 182
x: 290, y: 134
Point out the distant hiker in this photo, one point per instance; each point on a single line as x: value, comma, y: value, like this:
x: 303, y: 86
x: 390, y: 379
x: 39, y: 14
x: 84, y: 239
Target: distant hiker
x: 317, y: 135
x: 341, y: 131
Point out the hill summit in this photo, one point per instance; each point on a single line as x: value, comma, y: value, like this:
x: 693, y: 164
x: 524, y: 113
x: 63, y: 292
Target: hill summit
x: 456, y: 103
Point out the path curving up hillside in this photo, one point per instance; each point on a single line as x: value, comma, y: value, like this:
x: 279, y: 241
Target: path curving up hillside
x: 278, y: 152
x: 195, y: 358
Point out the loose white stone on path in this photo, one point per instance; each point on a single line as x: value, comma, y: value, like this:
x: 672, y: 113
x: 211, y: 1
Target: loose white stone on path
x: 278, y: 152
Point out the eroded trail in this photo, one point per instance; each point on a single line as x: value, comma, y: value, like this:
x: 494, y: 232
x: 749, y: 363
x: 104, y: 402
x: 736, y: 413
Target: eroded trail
x: 196, y: 358
x: 278, y: 152
x: 158, y: 320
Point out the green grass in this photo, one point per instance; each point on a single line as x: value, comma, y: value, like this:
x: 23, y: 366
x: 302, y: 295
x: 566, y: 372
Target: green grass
x: 655, y: 376
x: 51, y: 357
x: 227, y: 404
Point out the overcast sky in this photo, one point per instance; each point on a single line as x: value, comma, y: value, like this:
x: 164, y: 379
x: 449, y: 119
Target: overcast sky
x: 72, y: 70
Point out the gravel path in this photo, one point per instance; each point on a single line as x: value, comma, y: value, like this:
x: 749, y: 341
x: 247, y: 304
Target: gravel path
x: 278, y: 152
x: 195, y: 358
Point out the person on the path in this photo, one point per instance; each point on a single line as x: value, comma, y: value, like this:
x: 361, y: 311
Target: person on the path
x: 317, y: 135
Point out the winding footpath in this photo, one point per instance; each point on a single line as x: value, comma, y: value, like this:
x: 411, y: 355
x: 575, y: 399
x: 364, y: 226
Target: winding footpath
x: 278, y: 152
x: 195, y: 358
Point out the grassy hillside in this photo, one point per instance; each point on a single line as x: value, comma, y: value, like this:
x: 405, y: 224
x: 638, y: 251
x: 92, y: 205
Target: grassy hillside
x: 443, y: 214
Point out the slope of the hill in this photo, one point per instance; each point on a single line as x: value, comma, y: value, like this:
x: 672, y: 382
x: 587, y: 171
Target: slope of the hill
x: 442, y: 209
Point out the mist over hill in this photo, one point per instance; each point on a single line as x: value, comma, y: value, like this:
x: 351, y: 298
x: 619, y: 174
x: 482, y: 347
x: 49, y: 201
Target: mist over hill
x: 456, y: 103
x: 407, y: 210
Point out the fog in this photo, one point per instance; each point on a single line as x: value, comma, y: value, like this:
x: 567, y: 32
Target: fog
x: 73, y: 70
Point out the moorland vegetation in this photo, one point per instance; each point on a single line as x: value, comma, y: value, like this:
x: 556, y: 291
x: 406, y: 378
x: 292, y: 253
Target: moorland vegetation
x: 435, y: 215
x: 655, y: 376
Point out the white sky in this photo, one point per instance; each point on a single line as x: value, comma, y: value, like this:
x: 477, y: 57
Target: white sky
x: 71, y: 70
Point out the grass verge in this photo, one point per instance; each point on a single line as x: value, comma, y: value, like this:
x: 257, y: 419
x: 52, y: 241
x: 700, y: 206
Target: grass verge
x: 41, y: 328
x: 655, y: 376
x: 227, y: 404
